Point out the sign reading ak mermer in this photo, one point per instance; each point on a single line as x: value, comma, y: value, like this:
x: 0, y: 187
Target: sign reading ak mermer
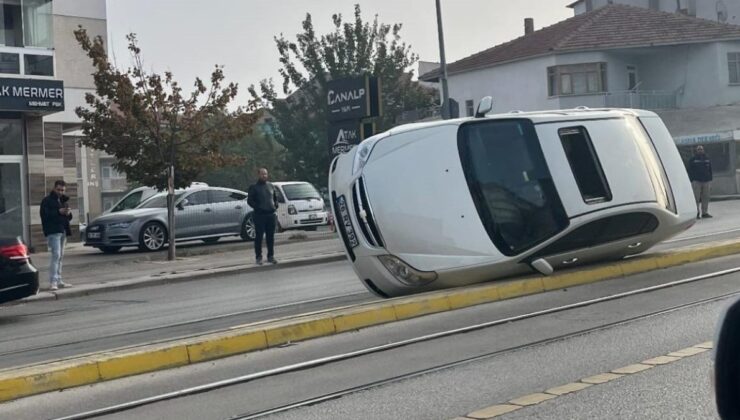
x: 31, y: 95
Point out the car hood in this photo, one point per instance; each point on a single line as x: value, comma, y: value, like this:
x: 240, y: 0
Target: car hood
x: 127, y: 215
x: 424, y: 210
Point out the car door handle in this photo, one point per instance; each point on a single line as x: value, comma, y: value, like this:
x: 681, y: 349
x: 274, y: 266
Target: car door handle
x: 238, y: 207
x: 571, y: 261
x: 207, y: 210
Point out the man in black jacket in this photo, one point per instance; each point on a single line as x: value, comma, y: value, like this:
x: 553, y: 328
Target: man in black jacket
x: 700, y: 174
x: 263, y: 200
x: 55, y: 217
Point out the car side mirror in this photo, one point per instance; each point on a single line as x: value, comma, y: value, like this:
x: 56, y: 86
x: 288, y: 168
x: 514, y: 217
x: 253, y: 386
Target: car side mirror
x: 542, y: 266
x: 727, y: 363
x: 181, y: 205
x: 484, y: 107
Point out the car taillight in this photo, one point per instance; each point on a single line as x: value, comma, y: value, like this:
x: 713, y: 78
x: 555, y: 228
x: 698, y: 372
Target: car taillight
x: 15, y: 252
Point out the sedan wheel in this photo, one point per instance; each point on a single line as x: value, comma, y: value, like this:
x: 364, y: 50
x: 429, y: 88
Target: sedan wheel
x: 152, y: 237
x: 249, y: 232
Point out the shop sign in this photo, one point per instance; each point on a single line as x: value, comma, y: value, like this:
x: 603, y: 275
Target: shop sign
x: 33, y: 95
x: 702, y: 139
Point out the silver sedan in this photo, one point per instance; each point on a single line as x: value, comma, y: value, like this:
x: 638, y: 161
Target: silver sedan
x: 206, y: 214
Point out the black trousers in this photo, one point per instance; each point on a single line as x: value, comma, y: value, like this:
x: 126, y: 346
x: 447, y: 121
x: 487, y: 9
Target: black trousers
x: 264, y: 224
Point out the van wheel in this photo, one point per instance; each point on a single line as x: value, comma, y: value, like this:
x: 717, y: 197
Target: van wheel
x: 249, y: 232
x: 152, y: 237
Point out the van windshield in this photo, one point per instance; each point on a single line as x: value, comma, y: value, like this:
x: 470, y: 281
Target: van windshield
x: 510, y: 184
x: 301, y: 192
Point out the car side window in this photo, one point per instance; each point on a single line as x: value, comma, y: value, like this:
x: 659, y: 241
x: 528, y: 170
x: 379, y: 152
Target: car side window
x: 197, y: 198
x: 219, y: 196
x: 280, y: 196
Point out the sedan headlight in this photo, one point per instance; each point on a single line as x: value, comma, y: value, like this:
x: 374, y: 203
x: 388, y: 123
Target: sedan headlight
x: 405, y: 273
x: 364, y: 150
x: 119, y: 225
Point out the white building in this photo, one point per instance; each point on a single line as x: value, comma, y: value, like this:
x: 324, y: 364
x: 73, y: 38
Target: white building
x: 685, y: 68
x: 723, y: 11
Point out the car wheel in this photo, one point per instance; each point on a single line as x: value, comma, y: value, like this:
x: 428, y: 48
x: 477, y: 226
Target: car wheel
x: 249, y: 232
x: 109, y: 249
x: 152, y: 237
x: 211, y: 240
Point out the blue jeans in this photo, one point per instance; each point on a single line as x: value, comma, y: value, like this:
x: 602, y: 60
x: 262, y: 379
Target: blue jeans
x: 56, y: 243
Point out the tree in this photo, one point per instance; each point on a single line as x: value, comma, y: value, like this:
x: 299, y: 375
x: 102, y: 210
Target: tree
x: 160, y: 136
x: 352, y: 49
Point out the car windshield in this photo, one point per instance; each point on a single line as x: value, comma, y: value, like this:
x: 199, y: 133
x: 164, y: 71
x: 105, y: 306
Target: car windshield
x: 129, y: 202
x: 510, y: 184
x: 301, y: 192
x: 159, y: 201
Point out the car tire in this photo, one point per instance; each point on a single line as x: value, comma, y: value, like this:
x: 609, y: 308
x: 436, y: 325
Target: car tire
x: 210, y: 241
x: 152, y: 237
x: 248, y: 232
x: 109, y: 249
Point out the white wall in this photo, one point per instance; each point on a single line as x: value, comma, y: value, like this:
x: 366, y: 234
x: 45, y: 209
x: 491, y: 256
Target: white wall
x: 93, y: 9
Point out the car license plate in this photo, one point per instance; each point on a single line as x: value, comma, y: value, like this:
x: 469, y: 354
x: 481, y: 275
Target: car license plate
x: 312, y: 216
x: 93, y: 235
x: 347, y: 222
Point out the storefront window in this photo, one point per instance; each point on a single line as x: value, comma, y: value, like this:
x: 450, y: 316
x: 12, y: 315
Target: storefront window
x: 719, y: 155
x: 11, y: 137
x: 10, y: 63
x: 39, y: 65
x: 37, y: 23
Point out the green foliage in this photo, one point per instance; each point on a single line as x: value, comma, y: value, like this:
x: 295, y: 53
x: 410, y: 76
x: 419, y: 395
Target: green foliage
x: 352, y: 49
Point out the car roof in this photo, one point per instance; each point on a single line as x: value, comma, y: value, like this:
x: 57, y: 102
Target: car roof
x: 291, y: 183
x: 581, y: 113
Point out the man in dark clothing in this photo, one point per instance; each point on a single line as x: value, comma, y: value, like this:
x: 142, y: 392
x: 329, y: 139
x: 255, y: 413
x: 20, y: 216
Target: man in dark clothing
x: 55, y: 216
x: 700, y: 174
x: 263, y: 200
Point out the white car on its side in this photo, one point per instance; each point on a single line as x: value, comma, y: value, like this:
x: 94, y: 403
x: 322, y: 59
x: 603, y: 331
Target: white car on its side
x: 449, y: 203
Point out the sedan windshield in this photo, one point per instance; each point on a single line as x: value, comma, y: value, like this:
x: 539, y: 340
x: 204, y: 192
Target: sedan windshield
x: 158, y: 201
x: 510, y: 184
x: 301, y: 192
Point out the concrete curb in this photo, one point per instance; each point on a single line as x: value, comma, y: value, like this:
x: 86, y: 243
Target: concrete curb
x: 178, y: 277
x: 20, y: 382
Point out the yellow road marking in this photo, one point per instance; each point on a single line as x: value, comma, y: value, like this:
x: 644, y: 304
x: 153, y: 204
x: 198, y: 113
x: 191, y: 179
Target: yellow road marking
x: 493, y: 411
x: 661, y: 360
x: 601, y: 378
x: 568, y: 388
x: 689, y: 351
x: 629, y: 370
x: 532, y: 399
x: 707, y: 345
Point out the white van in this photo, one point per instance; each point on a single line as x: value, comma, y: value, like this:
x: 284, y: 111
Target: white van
x: 300, y: 206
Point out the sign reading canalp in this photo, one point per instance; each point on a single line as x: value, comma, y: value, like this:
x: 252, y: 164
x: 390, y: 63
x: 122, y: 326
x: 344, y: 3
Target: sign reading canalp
x: 31, y: 95
x: 352, y: 104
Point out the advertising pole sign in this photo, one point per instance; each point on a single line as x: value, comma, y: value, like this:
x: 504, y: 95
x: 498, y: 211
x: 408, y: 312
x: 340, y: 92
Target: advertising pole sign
x: 351, y: 102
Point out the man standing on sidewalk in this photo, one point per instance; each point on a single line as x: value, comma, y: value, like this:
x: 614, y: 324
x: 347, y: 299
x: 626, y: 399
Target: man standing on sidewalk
x: 700, y: 174
x: 55, y: 218
x: 263, y: 200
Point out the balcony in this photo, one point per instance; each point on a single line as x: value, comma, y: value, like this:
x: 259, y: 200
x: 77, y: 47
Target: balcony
x: 114, y: 184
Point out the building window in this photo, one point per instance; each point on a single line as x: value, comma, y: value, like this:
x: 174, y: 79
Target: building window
x: 26, y: 23
x: 39, y: 65
x: 37, y: 23
x: 578, y: 79
x: 469, y: 107
x: 589, y: 5
x: 631, y: 77
x: 10, y: 63
x: 733, y: 62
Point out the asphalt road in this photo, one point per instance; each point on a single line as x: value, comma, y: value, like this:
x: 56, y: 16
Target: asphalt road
x: 529, y: 356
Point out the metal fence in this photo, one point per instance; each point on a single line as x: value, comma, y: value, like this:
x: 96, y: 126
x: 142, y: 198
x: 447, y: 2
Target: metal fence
x: 648, y: 99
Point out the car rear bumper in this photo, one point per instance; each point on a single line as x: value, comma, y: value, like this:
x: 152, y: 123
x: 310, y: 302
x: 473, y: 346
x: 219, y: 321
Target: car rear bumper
x: 20, y: 284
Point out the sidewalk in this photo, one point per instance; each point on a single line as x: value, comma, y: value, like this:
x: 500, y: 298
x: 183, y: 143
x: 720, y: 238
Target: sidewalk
x: 91, y: 271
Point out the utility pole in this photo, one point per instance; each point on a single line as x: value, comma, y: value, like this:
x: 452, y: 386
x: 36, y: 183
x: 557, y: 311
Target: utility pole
x: 443, y: 65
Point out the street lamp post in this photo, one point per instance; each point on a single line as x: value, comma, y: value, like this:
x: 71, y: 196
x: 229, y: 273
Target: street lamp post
x: 443, y: 65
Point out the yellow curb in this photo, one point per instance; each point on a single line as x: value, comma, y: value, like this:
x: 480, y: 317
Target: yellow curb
x: 532, y: 399
x: 601, y: 378
x: 628, y: 370
x: 689, y: 351
x: 356, y: 318
x: 473, y: 296
x: 52, y: 377
x: 637, y: 265
x: 406, y: 308
x: 493, y: 411
x: 579, y: 277
x: 661, y: 360
x: 289, y: 331
x: 517, y: 288
x: 214, y: 347
x: 568, y: 388
x: 706, y: 345
x: 147, y: 360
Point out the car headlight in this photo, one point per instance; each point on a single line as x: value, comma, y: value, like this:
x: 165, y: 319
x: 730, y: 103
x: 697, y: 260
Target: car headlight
x: 292, y: 210
x: 405, y: 273
x: 119, y: 225
x: 364, y: 150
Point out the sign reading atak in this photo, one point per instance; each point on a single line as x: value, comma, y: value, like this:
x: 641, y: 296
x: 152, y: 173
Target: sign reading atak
x: 353, y: 99
x: 31, y: 95
x: 343, y: 136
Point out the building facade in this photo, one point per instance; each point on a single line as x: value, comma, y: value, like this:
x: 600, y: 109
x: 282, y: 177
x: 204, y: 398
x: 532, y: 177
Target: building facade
x: 44, y: 76
x: 723, y: 11
x: 684, y: 68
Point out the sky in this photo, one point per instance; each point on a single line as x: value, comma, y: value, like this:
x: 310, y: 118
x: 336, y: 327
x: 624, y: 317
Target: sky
x: 188, y: 37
